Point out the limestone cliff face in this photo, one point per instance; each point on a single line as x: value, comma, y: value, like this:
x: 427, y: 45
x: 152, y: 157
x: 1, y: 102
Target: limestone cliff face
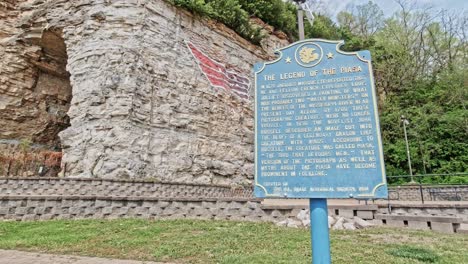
x: 156, y: 92
x: 34, y: 86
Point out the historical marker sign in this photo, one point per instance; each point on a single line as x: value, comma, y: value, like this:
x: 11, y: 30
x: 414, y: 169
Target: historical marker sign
x: 317, y: 130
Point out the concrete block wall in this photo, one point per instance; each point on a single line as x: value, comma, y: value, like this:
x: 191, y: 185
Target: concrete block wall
x: 445, y: 210
x: 28, y: 208
x: 349, y: 211
x: 446, y: 224
x: 116, y: 188
x: 56, y: 198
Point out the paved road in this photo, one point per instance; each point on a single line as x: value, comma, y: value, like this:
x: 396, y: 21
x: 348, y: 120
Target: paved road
x: 20, y: 257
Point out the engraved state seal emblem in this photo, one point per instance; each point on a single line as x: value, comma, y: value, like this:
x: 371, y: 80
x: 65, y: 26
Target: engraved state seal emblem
x: 308, y: 54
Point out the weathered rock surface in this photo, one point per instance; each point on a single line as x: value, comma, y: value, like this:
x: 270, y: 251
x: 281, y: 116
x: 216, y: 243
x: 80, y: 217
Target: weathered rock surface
x: 35, y: 90
x: 142, y: 104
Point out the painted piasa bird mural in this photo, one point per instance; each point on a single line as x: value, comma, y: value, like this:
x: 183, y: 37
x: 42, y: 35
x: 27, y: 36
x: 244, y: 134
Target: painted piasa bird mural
x: 229, y: 80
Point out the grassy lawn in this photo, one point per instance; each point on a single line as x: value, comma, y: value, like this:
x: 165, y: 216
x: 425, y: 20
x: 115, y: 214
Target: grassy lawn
x: 196, y: 241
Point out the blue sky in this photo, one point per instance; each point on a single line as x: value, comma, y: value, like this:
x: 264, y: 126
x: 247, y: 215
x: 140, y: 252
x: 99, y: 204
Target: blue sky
x: 390, y: 6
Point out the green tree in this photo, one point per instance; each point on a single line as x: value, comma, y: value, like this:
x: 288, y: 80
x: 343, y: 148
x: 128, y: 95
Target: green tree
x: 438, y: 126
x: 362, y: 20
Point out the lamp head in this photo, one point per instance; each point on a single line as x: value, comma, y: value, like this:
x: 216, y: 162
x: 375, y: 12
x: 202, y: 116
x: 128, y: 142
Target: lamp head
x: 404, y: 120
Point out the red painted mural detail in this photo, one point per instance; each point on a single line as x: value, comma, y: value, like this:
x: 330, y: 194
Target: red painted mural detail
x: 219, y: 76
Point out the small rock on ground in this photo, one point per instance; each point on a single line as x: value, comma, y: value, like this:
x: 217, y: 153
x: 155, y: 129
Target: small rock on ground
x: 331, y: 221
x: 361, y: 223
x: 303, y: 215
x: 349, y: 226
x: 339, y: 224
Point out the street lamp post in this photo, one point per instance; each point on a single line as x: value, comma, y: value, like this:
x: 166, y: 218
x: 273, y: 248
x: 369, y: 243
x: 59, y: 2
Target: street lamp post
x: 406, y: 122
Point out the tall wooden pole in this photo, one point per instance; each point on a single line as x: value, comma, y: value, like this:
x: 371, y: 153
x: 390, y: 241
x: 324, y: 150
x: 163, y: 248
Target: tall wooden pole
x: 300, y: 22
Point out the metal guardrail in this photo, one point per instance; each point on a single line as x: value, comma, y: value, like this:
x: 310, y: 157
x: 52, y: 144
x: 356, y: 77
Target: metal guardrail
x: 438, y: 187
x: 420, y: 178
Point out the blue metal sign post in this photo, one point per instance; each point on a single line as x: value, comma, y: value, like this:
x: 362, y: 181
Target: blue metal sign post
x: 317, y: 131
x: 319, y: 231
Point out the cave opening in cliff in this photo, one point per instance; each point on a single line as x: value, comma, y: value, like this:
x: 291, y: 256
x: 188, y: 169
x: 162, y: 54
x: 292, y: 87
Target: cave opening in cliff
x: 30, y: 143
x: 53, y: 88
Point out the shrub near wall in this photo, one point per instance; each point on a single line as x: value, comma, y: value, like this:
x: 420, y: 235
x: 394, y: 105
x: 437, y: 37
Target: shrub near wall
x: 236, y: 15
x: 29, y: 163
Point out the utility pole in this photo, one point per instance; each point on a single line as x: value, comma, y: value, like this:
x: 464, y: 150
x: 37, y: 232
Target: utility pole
x: 300, y: 18
x: 406, y: 122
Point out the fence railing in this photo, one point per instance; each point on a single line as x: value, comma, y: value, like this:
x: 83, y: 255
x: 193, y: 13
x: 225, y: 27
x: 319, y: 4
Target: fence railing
x: 432, y: 187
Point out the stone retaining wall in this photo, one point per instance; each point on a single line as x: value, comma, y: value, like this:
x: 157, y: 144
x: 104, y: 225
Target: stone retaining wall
x: 24, y: 199
x: 33, y: 208
x: 448, y: 218
x: 25, y: 208
x: 149, y: 188
x: 449, y: 210
x: 430, y: 193
x: 115, y: 188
